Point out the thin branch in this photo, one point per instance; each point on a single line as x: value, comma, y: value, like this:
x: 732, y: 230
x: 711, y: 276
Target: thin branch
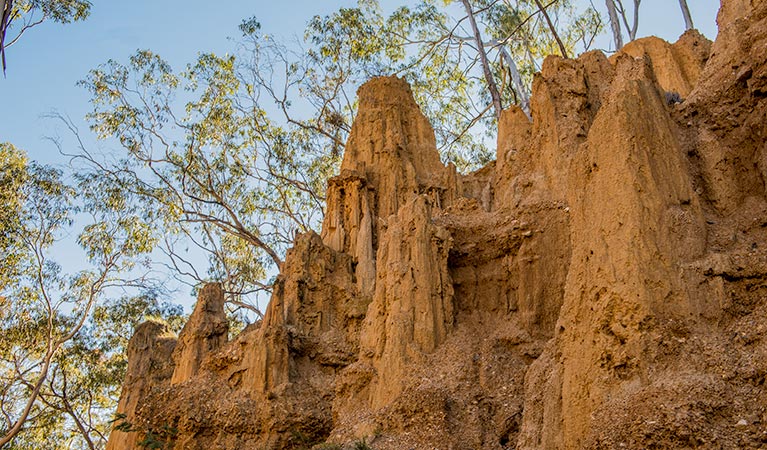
x: 615, y: 24
x: 686, y: 14
x: 553, y: 29
x: 489, y: 78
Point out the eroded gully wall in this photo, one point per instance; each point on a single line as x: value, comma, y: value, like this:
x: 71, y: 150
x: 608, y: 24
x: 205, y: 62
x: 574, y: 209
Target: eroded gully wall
x: 600, y: 285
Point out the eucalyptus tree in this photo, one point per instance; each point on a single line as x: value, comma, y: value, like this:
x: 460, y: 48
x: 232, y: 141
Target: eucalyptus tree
x: 217, y: 172
x: 13, y: 165
x: 466, y: 60
x: 621, y: 18
x: 55, y: 370
x: 18, y: 16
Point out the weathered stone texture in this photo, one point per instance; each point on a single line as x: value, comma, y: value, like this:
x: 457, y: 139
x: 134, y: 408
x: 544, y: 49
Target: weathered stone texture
x: 601, y: 285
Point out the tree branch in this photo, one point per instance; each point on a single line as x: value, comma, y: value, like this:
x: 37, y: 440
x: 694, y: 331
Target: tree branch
x: 489, y: 78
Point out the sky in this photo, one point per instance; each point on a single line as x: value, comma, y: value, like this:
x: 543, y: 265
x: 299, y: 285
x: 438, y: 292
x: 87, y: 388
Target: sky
x: 46, y: 64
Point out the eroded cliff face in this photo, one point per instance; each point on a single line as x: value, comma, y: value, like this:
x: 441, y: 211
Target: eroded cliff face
x: 149, y: 366
x: 602, y: 284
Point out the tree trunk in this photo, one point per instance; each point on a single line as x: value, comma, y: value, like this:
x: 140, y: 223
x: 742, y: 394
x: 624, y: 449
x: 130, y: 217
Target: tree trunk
x: 635, y: 25
x: 516, y: 79
x: 19, y: 424
x: 562, y: 48
x: 494, y: 94
x: 686, y: 13
x: 614, y: 24
x: 5, y: 17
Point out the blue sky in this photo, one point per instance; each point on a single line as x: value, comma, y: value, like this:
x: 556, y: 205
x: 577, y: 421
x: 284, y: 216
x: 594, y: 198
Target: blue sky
x: 46, y: 63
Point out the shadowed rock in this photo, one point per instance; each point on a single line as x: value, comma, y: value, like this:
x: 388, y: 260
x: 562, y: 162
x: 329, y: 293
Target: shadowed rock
x: 149, y: 366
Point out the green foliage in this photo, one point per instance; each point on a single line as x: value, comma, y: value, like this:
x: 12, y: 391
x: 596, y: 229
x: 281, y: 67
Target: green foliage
x: 62, y: 341
x: 250, y: 26
x: 121, y: 424
x: 362, y: 445
x: 528, y: 37
x: 25, y: 14
x: 13, y: 164
x: 159, y: 439
x: 429, y: 45
x: 218, y: 172
x: 62, y: 11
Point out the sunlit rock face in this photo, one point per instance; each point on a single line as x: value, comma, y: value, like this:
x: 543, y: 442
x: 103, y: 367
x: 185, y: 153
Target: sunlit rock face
x: 602, y: 284
x: 149, y: 366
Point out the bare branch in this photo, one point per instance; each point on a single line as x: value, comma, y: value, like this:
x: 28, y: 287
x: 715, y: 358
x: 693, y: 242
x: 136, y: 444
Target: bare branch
x: 686, y: 14
x: 489, y: 78
x: 553, y: 29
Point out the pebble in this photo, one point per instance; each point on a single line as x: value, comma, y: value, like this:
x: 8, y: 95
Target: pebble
x: 742, y: 423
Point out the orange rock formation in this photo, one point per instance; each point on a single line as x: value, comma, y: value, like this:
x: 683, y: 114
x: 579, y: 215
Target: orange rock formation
x: 602, y: 284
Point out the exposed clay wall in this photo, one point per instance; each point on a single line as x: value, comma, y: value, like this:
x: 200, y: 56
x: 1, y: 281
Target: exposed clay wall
x: 205, y: 332
x: 602, y: 284
x: 149, y: 366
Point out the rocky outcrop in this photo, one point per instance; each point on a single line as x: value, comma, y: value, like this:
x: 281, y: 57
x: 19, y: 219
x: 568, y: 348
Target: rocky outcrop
x: 205, y: 332
x: 149, y: 366
x: 638, y: 359
x: 392, y: 145
x: 625, y: 258
x: 727, y: 111
x: 412, y: 311
x: 600, y: 285
x: 677, y: 66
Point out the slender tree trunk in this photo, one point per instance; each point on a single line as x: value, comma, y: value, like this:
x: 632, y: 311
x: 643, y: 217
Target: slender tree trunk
x: 79, y: 424
x: 19, y: 425
x: 543, y: 11
x: 516, y: 79
x: 686, y: 13
x: 496, y: 96
x: 5, y: 17
x: 615, y: 24
x: 635, y: 25
x: 53, y: 346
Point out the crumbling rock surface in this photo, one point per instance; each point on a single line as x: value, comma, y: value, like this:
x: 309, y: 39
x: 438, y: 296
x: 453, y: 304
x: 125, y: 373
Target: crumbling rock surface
x: 677, y: 66
x: 205, y: 332
x: 602, y: 284
x: 149, y: 367
x: 412, y: 310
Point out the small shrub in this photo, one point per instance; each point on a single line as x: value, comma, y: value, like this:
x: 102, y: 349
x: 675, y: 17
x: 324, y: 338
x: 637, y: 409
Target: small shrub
x: 159, y: 439
x: 301, y: 441
x: 152, y: 439
x: 362, y: 445
x: 121, y: 424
